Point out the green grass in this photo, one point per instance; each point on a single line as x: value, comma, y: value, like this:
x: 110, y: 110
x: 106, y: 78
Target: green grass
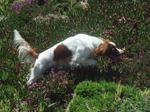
x: 103, y: 18
x: 107, y: 97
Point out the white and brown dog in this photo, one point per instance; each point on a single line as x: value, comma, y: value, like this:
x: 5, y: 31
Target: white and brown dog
x: 78, y: 50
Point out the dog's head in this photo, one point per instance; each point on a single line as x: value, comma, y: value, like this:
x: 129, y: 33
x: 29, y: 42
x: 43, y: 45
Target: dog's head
x: 109, y: 49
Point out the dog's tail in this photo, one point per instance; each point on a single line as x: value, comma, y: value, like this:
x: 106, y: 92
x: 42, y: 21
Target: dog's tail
x: 26, y: 53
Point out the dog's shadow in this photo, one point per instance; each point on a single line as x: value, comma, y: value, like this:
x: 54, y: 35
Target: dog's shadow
x: 92, y: 73
x: 96, y: 74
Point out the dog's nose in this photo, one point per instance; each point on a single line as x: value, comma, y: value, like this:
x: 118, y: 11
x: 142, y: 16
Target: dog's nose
x: 121, y: 51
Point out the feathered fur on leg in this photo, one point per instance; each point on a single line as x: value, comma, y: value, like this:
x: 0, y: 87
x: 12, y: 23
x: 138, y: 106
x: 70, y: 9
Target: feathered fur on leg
x: 26, y: 53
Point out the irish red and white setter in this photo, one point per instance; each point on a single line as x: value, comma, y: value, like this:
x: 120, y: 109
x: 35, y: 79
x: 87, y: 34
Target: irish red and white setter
x: 78, y: 50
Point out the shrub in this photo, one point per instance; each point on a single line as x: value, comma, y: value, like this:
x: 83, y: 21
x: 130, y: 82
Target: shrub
x: 107, y: 97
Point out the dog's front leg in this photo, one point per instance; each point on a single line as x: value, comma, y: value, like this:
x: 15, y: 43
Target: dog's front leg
x: 36, y: 72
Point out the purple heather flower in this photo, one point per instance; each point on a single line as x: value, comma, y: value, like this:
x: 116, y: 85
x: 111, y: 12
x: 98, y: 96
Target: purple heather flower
x: 28, y: 1
x: 17, y: 6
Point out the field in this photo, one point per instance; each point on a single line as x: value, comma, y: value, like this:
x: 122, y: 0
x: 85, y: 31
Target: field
x: 127, y: 23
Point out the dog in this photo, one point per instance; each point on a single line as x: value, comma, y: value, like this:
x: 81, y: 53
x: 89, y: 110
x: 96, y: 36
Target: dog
x: 78, y: 50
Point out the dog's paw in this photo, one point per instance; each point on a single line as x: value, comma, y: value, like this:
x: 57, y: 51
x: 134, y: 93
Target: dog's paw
x: 29, y: 82
x: 28, y: 76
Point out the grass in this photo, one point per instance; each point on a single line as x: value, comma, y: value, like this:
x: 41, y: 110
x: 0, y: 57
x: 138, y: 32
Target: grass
x: 124, y: 22
x: 107, y: 97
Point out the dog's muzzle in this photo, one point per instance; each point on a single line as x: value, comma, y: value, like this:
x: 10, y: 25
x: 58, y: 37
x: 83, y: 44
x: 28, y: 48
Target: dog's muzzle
x: 121, y: 51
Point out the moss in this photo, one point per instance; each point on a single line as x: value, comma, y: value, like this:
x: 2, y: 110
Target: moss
x: 106, y: 97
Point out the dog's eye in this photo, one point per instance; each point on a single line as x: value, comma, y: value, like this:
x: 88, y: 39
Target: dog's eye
x: 113, y: 49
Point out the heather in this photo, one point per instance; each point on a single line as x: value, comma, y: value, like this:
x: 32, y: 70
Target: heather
x: 43, y: 23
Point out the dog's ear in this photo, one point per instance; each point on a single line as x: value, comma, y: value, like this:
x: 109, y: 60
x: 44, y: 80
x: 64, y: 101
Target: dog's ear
x: 102, y: 49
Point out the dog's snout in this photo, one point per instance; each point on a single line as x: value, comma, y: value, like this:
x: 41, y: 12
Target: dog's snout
x: 121, y: 51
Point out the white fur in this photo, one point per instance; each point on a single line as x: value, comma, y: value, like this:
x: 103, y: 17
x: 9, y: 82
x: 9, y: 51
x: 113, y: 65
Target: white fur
x: 81, y: 46
x: 23, y: 48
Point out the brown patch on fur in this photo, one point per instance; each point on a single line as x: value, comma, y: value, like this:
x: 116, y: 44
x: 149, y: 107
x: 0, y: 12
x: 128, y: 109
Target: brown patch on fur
x: 33, y: 53
x: 106, y: 49
x: 101, y: 49
x: 61, y: 52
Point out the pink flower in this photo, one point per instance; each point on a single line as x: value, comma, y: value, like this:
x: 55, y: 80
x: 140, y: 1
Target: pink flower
x: 28, y: 1
x: 17, y: 6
